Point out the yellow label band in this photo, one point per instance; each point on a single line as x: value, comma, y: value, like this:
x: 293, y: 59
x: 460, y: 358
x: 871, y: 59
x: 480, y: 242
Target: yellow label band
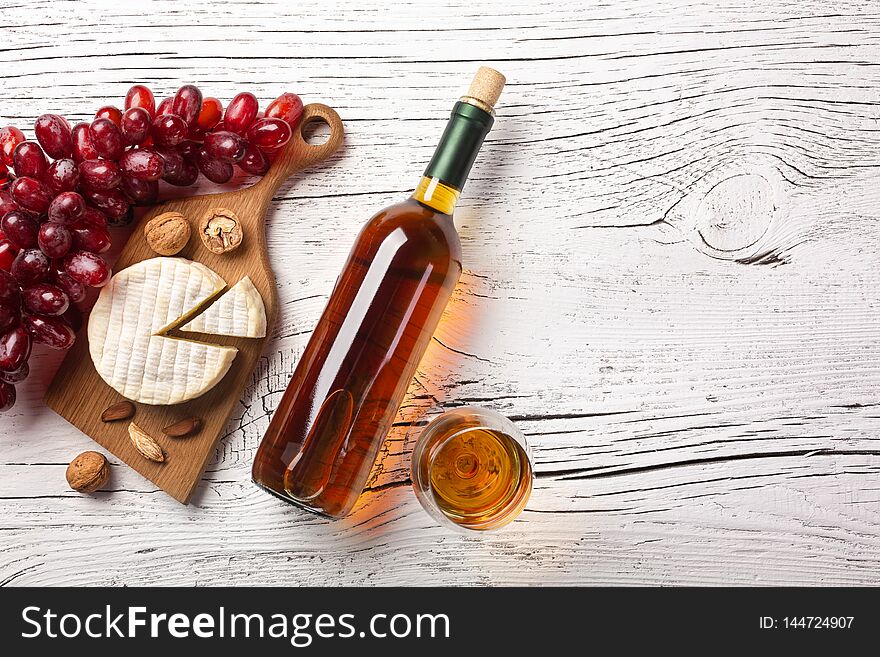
x: 435, y: 194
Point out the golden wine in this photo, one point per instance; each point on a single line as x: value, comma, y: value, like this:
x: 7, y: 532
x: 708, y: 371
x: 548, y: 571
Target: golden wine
x: 481, y: 478
x: 471, y: 467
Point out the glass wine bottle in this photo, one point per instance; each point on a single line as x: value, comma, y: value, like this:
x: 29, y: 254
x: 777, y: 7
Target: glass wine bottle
x: 347, y: 388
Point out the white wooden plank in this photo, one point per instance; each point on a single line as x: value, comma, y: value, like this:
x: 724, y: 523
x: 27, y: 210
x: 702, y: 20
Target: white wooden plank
x: 670, y: 243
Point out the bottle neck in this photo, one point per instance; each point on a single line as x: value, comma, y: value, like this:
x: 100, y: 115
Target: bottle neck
x: 448, y: 169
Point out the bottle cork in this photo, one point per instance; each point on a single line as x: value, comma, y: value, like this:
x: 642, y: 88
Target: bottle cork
x: 486, y: 87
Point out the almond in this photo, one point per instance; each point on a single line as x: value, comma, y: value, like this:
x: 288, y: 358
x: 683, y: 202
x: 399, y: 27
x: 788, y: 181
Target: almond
x: 183, y: 428
x: 145, y: 444
x: 119, y: 411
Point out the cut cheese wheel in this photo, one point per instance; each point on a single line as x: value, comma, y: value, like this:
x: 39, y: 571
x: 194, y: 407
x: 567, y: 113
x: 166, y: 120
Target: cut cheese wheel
x: 239, y: 312
x: 127, y: 329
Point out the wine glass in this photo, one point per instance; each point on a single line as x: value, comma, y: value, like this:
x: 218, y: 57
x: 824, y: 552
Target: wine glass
x: 472, y: 469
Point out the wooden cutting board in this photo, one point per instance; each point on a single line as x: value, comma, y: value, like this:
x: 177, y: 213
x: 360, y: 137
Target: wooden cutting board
x: 78, y: 393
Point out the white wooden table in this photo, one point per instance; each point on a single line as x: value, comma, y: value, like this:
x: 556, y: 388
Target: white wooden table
x: 671, y: 284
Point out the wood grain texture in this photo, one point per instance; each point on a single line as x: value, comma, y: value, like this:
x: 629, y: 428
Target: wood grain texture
x: 670, y: 242
x: 80, y: 395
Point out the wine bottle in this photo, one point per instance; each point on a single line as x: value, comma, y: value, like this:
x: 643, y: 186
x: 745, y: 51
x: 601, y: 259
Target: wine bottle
x: 347, y: 388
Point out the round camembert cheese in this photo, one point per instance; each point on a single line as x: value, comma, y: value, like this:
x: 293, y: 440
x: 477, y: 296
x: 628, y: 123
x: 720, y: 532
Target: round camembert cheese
x: 239, y: 312
x: 127, y: 330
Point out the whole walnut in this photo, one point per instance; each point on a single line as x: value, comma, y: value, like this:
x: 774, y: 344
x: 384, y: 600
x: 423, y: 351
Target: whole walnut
x: 168, y: 233
x: 88, y: 472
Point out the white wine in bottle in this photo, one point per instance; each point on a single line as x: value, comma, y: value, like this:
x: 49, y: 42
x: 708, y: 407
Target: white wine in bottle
x: 348, y: 386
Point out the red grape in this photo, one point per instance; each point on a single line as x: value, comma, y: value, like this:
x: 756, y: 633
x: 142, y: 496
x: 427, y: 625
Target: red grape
x: 168, y: 130
x: 67, y: 208
x: 254, y: 162
x: 31, y: 194
x: 53, y: 332
x: 164, y: 107
x: 83, y: 147
x: 9, y: 292
x: 93, y: 217
x: 287, y: 107
x: 213, y: 169
x: 136, y: 124
x: 110, y: 113
x: 140, y: 192
x: 240, y: 113
x: 16, y: 376
x: 74, y: 290
x: 186, y: 175
x: 141, y: 96
x: 30, y: 266
x: 9, y: 316
x: 20, y: 229
x: 53, y: 133
x: 7, y: 396
x: 87, y: 268
x: 107, y: 138
x: 225, y: 146
x: 55, y: 240
x: 10, y: 137
x: 187, y: 103
x: 7, y: 256
x: 29, y: 160
x: 6, y: 203
x: 62, y: 176
x: 99, y: 174
x: 210, y: 114
x: 143, y: 164
x: 196, y: 135
x: 15, y: 348
x: 269, y: 134
x: 189, y: 149
x: 172, y: 160
x: 91, y: 239
x: 45, y: 299
x: 111, y: 202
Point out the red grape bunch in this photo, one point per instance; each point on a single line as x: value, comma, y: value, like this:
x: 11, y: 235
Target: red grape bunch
x: 69, y: 186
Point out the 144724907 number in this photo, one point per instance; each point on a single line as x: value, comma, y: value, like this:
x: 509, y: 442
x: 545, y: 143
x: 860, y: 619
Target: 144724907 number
x: 817, y: 622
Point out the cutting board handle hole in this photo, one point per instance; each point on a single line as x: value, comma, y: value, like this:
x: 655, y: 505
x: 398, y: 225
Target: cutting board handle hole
x: 315, y: 131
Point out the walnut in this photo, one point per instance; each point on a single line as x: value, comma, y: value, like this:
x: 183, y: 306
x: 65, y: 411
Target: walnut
x: 88, y: 472
x: 168, y: 233
x: 220, y: 230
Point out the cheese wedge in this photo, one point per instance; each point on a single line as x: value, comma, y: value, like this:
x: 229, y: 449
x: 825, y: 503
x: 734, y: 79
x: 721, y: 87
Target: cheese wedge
x: 239, y: 312
x: 127, y: 329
